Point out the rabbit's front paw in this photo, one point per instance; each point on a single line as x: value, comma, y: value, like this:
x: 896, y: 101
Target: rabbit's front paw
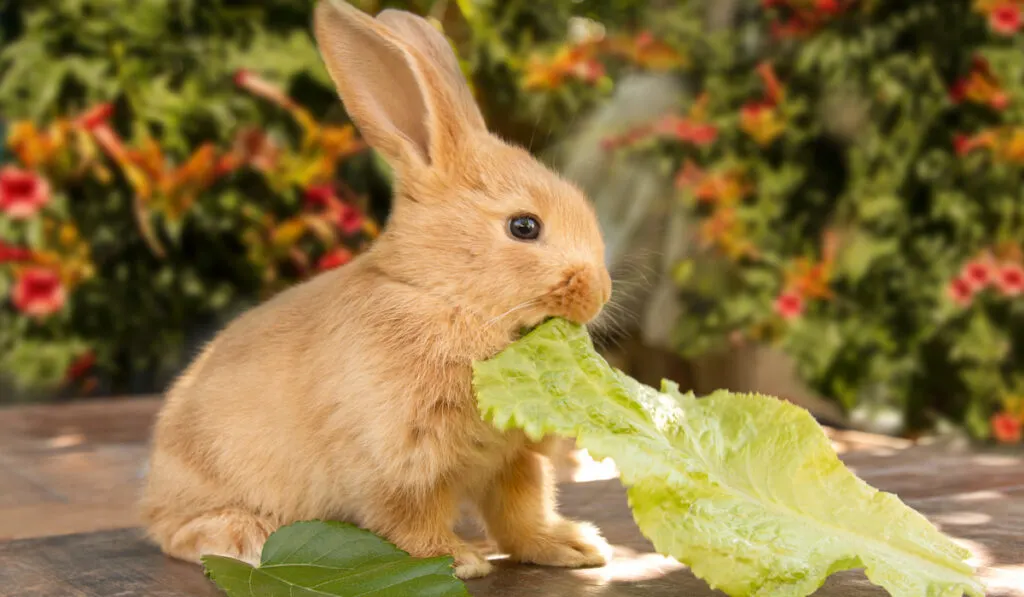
x: 471, y: 564
x: 566, y: 544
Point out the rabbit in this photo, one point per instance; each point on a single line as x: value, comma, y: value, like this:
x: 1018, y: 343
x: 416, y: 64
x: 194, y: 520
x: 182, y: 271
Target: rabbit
x: 349, y: 396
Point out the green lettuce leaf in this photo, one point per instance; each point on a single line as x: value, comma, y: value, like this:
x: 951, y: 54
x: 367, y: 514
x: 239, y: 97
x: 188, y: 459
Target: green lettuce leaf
x: 744, y: 489
x: 321, y: 559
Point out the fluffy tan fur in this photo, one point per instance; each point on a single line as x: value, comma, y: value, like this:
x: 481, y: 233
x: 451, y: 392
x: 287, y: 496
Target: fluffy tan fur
x: 349, y: 396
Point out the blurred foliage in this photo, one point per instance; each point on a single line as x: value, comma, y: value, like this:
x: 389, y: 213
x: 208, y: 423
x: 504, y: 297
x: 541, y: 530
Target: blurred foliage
x: 852, y: 169
x: 168, y: 162
x: 854, y: 172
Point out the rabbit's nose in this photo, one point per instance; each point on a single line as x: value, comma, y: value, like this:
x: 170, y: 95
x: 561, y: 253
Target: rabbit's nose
x: 581, y: 294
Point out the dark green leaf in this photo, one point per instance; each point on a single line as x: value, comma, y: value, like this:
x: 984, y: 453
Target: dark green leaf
x: 334, y: 559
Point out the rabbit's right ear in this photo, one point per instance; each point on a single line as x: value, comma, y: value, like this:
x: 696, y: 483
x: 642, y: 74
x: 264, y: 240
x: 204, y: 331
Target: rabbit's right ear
x: 401, y: 103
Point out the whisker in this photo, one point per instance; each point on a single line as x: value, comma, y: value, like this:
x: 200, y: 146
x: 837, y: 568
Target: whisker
x: 518, y: 307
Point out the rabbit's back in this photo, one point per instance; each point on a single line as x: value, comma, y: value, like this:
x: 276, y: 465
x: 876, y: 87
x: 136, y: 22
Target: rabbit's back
x: 310, y: 404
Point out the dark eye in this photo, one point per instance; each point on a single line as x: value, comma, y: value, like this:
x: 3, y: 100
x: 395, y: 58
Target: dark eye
x: 524, y: 227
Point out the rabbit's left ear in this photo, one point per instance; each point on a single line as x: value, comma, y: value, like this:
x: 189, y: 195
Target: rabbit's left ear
x: 434, y: 46
x: 401, y: 94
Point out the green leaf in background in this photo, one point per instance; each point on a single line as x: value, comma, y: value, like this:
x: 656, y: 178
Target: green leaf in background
x: 333, y: 559
x: 744, y: 489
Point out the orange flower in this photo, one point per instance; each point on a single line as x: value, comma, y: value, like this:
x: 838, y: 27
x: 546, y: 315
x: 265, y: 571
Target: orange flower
x: 339, y: 141
x: 963, y: 144
x: 111, y: 143
x: 181, y: 187
x: 1011, y: 148
x: 1006, y: 428
x: 773, y: 90
x: 724, y: 230
x: 149, y: 158
x: 36, y: 148
x: 810, y: 279
x: 578, y: 61
x: 762, y: 122
x: 648, y: 52
x: 980, y: 86
x: 725, y: 188
x: 38, y: 292
x: 288, y: 232
x: 258, y: 86
x: 95, y: 116
x: 687, y: 130
x: 22, y: 193
x: 1008, y: 251
x: 689, y: 175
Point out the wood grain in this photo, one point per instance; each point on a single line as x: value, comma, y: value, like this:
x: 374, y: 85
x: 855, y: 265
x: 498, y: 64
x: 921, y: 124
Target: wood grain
x: 75, y: 468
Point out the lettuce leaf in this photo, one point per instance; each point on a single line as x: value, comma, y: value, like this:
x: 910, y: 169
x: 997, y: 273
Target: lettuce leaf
x: 744, y: 489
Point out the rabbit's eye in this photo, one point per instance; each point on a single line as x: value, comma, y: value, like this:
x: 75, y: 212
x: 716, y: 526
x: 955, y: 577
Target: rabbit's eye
x: 524, y: 227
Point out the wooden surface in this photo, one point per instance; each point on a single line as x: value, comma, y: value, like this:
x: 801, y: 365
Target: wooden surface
x: 72, y: 468
x: 60, y: 486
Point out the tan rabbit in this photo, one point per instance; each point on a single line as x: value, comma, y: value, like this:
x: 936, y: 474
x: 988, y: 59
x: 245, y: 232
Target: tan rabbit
x: 349, y: 397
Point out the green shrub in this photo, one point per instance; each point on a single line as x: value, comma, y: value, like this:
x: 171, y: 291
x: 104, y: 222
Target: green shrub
x: 173, y: 161
x: 855, y: 169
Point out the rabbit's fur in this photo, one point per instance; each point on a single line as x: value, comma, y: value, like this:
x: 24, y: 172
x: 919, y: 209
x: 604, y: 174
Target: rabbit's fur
x: 349, y: 396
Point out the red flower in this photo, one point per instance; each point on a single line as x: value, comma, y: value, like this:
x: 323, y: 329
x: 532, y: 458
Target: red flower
x: 1006, y: 428
x: 773, y: 89
x: 999, y: 100
x: 333, y: 259
x: 589, y: 70
x: 689, y: 175
x: 22, y: 193
x: 962, y: 144
x: 10, y: 253
x: 350, y: 221
x: 828, y: 6
x: 320, y: 196
x: 793, y: 28
x: 958, y: 92
x: 960, y: 291
x: 108, y: 139
x: 979, y: 273
x: 80, y: 366
x: 96, y: 116
x: 687, y: 130
x: 1010, y: 279
x: 789, y: 305
x: 1005, y: 19
x: 38, y: 292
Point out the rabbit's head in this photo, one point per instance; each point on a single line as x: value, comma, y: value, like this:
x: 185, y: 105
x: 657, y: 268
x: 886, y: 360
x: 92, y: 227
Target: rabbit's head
x: 475, y: 221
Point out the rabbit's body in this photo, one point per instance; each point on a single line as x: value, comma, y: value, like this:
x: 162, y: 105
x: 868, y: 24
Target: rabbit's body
x: 359, y: 358
x: 350, y: 396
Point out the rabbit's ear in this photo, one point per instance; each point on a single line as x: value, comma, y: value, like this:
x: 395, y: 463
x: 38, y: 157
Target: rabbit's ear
x: 402, y: 104
x: 432, y: 44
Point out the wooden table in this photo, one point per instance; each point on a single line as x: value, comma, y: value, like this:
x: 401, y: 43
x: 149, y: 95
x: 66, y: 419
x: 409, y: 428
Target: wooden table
x: 977, y: 498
